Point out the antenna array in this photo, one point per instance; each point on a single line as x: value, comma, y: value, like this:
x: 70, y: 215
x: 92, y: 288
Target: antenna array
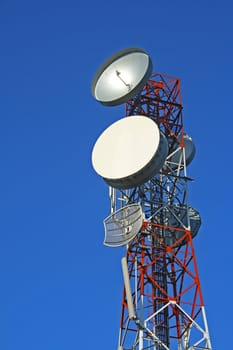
x: 143, y: 158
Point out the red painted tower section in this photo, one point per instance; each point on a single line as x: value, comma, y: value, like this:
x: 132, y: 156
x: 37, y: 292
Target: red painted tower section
x: 167, y: 310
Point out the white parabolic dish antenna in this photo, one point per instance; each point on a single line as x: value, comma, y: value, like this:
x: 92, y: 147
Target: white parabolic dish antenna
x: 122, y: 76
x: 129, y: 152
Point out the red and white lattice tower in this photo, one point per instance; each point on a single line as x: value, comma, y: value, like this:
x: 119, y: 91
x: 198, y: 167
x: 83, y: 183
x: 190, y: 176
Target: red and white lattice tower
x: 166, y: 308
x: 144, y: 158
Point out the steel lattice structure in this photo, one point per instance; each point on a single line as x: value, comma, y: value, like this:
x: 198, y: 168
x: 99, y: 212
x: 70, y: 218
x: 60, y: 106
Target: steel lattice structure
x: 167, y: 300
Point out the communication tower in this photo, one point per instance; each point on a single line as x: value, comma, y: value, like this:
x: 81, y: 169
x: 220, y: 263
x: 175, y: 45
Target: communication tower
x: 143, y: 157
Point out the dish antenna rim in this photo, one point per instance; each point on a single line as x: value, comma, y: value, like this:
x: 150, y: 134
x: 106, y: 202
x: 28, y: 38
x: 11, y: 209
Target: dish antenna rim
x: 136, y: 89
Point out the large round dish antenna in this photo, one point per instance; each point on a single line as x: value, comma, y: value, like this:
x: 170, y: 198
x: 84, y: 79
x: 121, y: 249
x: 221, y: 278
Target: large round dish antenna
x: 129, y: 152
x: 122, y: 76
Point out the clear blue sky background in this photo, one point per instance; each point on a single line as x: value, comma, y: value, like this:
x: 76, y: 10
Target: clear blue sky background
x: 60, y: 288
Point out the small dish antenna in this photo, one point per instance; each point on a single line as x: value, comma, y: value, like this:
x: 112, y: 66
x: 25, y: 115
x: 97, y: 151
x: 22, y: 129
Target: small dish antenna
x: 179, y: 217
x: 122, y: 76
x: 123, y: 225
x: 130, y: 152
x: 175, y: 159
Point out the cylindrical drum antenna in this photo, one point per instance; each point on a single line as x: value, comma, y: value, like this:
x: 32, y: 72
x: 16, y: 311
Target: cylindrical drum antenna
x: 127, y: 288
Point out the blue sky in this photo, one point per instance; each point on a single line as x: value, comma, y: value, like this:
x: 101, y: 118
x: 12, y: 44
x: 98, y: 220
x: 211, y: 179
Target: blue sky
x: 60, y: 287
